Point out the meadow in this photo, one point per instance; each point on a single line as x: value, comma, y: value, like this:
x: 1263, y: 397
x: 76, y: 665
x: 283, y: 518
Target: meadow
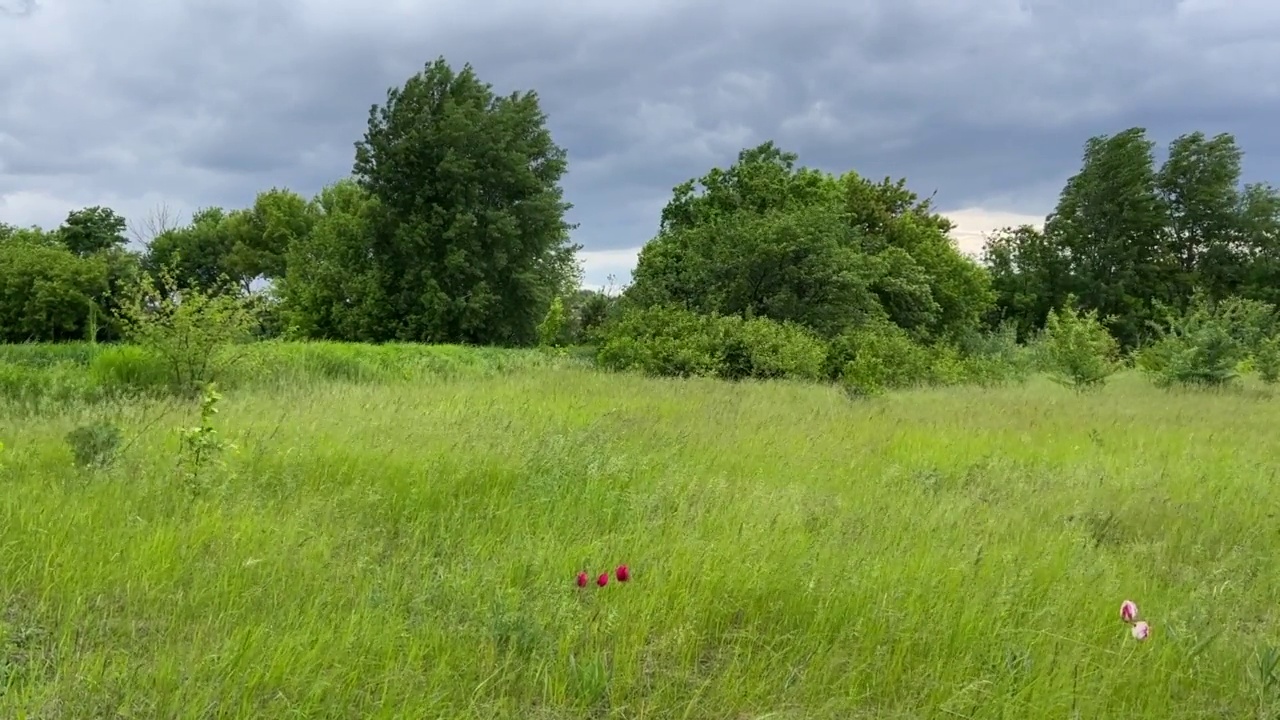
x: 396, y: 533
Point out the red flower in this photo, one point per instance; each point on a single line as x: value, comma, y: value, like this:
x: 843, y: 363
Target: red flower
x: 623, y: 573
x: 603, y: 579
x: 582, y: 579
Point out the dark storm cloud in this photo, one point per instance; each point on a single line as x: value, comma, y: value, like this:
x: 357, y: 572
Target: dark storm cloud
x: 986, y: 102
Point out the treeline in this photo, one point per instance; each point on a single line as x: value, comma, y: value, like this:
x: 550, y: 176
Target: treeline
x: 767, y: 269
x: 1131, y: 238
x: 451, y: 229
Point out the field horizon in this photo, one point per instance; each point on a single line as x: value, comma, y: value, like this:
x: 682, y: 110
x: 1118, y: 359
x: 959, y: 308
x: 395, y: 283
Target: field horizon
x: 408, y: 549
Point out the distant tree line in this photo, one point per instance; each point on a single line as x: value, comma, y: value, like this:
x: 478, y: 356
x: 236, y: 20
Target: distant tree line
x: 451, y: 229
x: 1129, y: 236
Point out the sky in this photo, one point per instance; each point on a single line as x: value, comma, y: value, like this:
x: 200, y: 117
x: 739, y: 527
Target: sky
x: 983, y: 104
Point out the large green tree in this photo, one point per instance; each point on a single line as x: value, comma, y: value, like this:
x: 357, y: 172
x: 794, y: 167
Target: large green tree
x: 1031, y: 278
x: 194, y: 255
x: 765, y: 238
x: 1200, y: 184
x: 258, y: 238
x: 470, y: 242
x: 926, y: 284
x: 1258, y: 247
x: 1110, y: 223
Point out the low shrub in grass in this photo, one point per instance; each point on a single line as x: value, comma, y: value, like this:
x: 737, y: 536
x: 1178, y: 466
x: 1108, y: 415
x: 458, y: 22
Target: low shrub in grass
x: 666, y: 341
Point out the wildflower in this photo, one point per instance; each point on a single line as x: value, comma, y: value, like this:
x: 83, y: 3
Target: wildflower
x: 623, y: 573
x: 582, y: 579
x: 1141, y: 630
x: 603, y: 579
x: 1128, y: 611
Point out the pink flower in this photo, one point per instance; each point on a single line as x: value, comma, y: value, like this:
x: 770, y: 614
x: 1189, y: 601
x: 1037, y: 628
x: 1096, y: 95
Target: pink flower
x: 603, y: 579
x: 623, y: 573
x: 1128, y: 611
x: 582, y: 579
x: 1141, y: 630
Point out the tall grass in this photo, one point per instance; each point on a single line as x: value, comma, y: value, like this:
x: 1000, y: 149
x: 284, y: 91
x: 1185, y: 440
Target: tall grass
x: 408, y: 550
x: 56, y: 374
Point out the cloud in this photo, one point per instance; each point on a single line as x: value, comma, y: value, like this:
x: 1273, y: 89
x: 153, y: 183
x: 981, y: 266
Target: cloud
x: 985, y: 102
x: 973, y: 225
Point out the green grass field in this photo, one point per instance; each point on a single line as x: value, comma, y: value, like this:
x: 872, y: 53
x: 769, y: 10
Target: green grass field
x: 408, y: 549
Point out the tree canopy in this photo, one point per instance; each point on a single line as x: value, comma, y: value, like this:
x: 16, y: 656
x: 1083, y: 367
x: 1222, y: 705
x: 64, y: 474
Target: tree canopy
x: 468, y: 238
x: 765, y: 238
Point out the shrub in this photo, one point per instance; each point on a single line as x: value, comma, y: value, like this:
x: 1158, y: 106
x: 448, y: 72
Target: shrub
x: 662, y: 341
x: 1266, y: 360
x: 1077, y: 350
x: 762, y: 348
x: 1250, y: 322
x: 879, y: 357
x: 1203, y: 345
x: 94, y: 445
x: 669, y: 341
x: 995, y: 357
x: 189, y: 332
x: 553, y: 325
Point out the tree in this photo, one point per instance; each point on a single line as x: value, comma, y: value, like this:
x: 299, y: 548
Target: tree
x: 470, y: 241
x: 194, y: 256
x: 331, y: 289
x: 765, y: 238
x: 48, y: 293
x: 29, y: 236
x: 1029, y: 275
x: 1078, y: 351
x: 1110, y: 225
x: 1200, y: 186
x: 259, y: 238
x: 222, y: 251
x: 764, y: 179
x: 798, y: 266
x: 93, y: 230
x: 940, y: 293
x: 1126, y: 236
x: 1259, y: 244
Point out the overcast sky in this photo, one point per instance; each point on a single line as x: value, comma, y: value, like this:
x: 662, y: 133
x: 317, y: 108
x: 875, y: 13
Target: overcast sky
x: 987, y: 102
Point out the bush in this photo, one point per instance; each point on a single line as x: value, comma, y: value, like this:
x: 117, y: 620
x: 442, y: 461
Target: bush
x: 1203, y: 345
x: 879, y: 357
x: 189, y: 332
x: 552, y: 326
x: 1266, y: 360
x: 996, y: 358
x: 666, y: 341
x: 661, y: 341
x: 762, y: 348
x: 94, y: 445
x: 1250, y: 322
x: 1077, y: 350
